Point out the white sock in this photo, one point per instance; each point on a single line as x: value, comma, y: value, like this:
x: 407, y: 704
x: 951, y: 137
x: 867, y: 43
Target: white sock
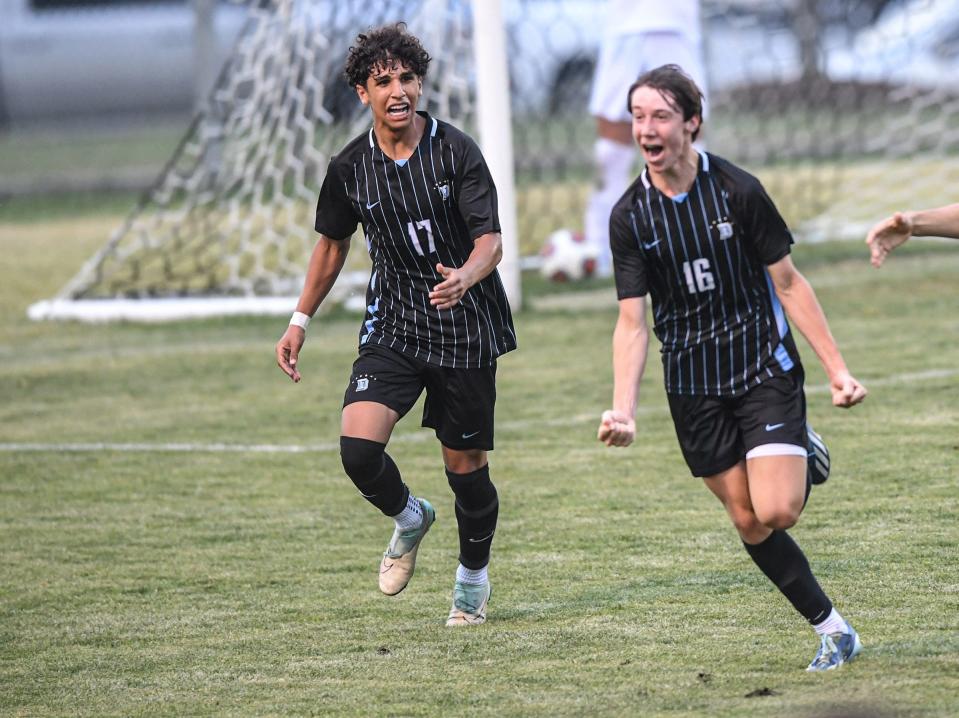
x: 475, y: 577
x: 410, y: 517
x: 833, y: 623
x: 613, y: 166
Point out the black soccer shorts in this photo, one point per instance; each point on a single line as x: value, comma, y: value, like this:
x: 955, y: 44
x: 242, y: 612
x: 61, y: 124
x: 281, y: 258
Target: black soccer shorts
x: 459, y: 403
x: 716, y: 433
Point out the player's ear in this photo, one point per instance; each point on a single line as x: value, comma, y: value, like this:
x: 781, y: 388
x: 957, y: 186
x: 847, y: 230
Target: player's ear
x: 362, y: 94
x: 693, y: 124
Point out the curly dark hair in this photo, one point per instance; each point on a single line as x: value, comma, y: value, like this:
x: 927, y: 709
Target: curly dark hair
x: 670, y: 79
x: 384, y: 47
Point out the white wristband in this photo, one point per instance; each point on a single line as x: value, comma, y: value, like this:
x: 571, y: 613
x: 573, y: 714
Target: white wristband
x: 300, y: 319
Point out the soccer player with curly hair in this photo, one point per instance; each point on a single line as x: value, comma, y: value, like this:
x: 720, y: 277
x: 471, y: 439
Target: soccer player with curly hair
x: 437, y: 314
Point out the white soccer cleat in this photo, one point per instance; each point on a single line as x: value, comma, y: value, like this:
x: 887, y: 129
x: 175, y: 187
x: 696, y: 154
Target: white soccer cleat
x: 399, y: 560
x: 469, y: 604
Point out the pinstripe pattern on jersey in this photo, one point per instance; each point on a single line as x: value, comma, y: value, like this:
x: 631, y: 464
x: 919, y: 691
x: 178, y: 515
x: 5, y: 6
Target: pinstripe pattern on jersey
x: 715, y: 312
x: 412, y: 214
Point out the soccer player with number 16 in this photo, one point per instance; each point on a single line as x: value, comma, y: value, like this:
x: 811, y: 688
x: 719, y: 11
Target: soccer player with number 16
x: 704, y: 240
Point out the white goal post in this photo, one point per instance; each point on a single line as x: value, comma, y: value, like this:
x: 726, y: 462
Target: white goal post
x: 494, y: 120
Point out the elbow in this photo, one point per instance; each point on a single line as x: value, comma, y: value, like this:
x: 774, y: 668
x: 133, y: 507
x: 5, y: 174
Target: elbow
x: 488, y: 249
x: 327, y: 245
x: 786, y: 285
x: 498, y: 250
x: 633, y: 332
x: 642, y: 339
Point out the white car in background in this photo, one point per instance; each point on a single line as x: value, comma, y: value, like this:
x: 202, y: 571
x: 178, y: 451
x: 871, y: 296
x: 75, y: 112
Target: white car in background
x: 63, y: 59
x: 66, y: 59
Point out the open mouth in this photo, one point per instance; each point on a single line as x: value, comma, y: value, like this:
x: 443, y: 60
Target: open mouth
x: 653, y: 151
x: 398, y: 110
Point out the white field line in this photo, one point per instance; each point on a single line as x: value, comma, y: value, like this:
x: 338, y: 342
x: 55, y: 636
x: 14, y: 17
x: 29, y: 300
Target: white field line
x: 403, y: 437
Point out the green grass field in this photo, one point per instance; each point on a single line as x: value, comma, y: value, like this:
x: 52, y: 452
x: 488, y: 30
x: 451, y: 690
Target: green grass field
x: 178, y: 537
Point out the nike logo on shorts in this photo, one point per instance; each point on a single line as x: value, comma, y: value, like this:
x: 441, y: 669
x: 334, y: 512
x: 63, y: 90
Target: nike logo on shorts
x: 470, y: 436
x: 773, y: 427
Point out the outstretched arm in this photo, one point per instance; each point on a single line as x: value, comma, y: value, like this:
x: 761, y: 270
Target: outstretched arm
x: 630, y: 344
x: 487, y: 253
x: 800, y: 303
x: 888, y: 234
x: 326, y: 262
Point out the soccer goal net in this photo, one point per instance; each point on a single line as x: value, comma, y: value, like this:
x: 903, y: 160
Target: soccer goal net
x: 228, y: 226
x: 845, y: 117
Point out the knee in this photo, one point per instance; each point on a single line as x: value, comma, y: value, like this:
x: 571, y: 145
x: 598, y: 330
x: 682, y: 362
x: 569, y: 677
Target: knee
x: 362, y: 459
x: 747, y: 524
x: 473, y: 490
x: 779, y: 517
x: 464, y: 461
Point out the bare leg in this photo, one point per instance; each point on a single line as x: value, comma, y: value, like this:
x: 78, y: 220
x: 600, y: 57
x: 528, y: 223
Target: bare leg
x: 777, y: 488
x: 763, y: 497
x: 368, y: 420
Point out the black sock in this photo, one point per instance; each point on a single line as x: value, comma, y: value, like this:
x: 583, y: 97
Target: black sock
x: 783, y: 562
x: 373, y: 472
x: 477, y: 508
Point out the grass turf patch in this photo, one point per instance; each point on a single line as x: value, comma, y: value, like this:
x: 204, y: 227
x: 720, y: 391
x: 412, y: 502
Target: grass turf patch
x: 209, y: 582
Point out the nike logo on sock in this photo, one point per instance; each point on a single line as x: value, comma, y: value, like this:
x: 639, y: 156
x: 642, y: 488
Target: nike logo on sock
x: 485, y: 538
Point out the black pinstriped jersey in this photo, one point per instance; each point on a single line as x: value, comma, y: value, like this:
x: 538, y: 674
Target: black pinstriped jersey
x: 415, y: 213
x: 702, y: 257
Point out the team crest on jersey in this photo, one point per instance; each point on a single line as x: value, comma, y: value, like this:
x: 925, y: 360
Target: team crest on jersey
x: 444, y: 189
x: 723, y: 228
x: 362, y: 384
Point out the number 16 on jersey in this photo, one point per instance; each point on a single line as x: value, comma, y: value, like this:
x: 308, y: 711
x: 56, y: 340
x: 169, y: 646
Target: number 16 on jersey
x: 698, y: 276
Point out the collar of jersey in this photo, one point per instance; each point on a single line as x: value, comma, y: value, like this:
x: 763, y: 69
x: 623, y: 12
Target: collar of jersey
x: 430, y: 122
x: 703, y: 167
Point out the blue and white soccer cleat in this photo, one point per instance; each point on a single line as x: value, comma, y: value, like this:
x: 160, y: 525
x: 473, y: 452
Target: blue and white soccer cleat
x: 469, y: 604
x: 817, y: 457
x: 836, y: 649
x: 399, y: 560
